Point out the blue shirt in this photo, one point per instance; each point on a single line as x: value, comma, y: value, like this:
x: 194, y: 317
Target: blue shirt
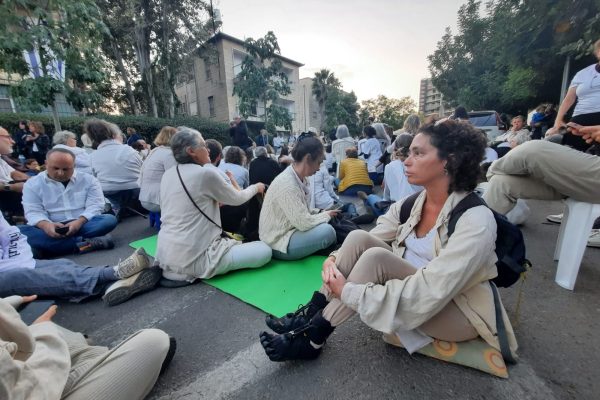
x: 45, y: 199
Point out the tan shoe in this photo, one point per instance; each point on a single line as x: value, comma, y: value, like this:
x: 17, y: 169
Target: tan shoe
x: 122, y: 290
x: 133, y: 264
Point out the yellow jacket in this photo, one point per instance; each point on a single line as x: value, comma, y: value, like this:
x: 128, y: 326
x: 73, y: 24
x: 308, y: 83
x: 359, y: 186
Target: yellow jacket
x: 353, y: 171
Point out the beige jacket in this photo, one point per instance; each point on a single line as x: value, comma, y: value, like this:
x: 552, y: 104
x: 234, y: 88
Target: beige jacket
x: 34, y: 360
x: 459, y: 272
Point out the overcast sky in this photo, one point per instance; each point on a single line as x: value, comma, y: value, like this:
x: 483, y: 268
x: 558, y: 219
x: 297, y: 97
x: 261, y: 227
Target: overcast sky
x: 373, y: 46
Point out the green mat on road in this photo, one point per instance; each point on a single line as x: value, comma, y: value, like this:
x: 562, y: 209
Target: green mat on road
x: 277, y: 288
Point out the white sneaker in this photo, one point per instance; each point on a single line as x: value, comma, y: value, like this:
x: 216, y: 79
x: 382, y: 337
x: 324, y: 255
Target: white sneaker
x: 557, y: 218
x: 122, y: 290
x: 133, y: 264
x: 519, y: 213
x: 594, y: 240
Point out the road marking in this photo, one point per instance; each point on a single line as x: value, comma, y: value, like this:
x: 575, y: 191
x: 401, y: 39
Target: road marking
x: 248, y: 365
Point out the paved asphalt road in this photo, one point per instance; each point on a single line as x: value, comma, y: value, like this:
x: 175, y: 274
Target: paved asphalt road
x: 219, y: 355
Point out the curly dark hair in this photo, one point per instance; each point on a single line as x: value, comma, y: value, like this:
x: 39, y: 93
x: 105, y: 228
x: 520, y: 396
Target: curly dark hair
x: 235, y: 155
x: 463, y: 146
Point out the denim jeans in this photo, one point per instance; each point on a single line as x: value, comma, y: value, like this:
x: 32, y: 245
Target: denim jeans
x: 354, y: 189
x: 370, y: 202
x: 39, y: 241
x: 122, y: 198
x: 59, y: 278
x: 376, y: 177
x: 303, y: 244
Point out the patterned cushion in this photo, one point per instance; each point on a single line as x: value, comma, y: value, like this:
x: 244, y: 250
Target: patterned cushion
x: 474, y: 353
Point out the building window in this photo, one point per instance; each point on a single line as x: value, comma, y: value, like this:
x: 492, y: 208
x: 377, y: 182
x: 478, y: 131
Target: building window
x: 208, y: 71
x: 211, y: 106
x: 6, y: 104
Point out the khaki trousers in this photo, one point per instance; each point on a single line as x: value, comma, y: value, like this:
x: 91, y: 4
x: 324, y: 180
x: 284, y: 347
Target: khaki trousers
x: 542, y: 170
x: 126, y: 372
x: 363, y: 258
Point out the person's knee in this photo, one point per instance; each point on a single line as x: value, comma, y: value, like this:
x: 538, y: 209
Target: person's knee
x: 262, y: 251
x: 328, y: 235
x: 155, y: 339
x: 356, y: 236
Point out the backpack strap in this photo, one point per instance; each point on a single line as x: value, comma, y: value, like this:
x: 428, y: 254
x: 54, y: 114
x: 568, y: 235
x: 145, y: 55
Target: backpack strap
x: 470, y: 201
x: 501, y: 328
x: 407, y: 206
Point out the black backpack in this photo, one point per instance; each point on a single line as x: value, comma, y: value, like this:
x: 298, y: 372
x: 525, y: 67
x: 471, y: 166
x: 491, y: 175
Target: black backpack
x: 510, y: 246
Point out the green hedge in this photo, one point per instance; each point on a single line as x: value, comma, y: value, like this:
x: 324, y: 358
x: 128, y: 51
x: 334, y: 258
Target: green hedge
x: 146, y: 126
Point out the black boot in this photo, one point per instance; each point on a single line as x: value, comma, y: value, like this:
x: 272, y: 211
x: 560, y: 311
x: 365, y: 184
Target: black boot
x: 297, y: 319
x: 301, y: 344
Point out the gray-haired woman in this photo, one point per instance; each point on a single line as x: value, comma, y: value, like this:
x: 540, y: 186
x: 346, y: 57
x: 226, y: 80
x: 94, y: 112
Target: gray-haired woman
x: 190, y: 242
x: 68, y: 140
x: 338, y: 147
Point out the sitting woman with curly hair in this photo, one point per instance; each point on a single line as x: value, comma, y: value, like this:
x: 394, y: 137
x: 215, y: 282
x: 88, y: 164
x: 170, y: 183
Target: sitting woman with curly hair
x: 410, y: 280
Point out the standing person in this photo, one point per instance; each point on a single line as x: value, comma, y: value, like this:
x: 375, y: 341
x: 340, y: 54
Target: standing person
x: 338, y: 147
x: 410, y: 280
x: 585, y: 89
x: 37, y: 142
x: 19, y: 137
x: 47, y: 361
x: 158, y: 161
x: 263, y: 138
x: 287, y: 223
x: 132, y: 136
x: 278, y: 142
x: 239, y: 134
x: 191, y: 244
x: 117, y: 167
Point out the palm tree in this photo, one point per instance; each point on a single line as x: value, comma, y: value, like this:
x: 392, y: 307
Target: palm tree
x: 323, y: 84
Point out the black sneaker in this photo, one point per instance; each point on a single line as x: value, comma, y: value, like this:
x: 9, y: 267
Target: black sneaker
x: 169, y: 356
x: 297, y: 319
x: 97, y: 243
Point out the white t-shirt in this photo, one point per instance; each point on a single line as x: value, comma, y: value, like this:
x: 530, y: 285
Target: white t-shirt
x: 373, y: 149
x: 14, y: 250
x: 419, y: 251
x: 5, y: 171
x: 587, y: 82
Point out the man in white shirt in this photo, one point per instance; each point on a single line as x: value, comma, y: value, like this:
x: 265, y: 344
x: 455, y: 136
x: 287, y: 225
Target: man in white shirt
x: 64, y: 209
x: 10, y: 193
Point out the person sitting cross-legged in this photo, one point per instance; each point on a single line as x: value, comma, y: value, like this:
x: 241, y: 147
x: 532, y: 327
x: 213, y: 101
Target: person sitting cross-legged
x: 64, y: 209
x: 21, y: 274
x: 410, y: 279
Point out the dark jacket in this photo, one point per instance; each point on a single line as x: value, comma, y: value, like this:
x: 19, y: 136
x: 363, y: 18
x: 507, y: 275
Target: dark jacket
x: 263, y: 169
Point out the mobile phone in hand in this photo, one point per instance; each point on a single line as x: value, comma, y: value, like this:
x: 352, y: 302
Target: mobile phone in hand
x: 32, y: 311
x: 61, y: 230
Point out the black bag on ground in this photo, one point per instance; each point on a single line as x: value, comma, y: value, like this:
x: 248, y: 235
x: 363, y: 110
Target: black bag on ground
x: 343, y: 226
x: 510, y: 246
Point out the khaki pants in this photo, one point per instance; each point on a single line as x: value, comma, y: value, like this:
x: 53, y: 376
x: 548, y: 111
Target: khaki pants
x: 126, y: 372
x: 363, y: 258
x: 542, y: 170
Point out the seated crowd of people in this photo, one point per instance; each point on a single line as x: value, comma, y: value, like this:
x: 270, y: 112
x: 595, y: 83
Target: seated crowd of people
x: 224, y: 209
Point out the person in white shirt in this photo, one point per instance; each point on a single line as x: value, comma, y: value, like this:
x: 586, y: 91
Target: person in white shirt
x: 68, y: 140
x: 323, y: 196
x: 116, y: 166
x: 512, y: 138
x: 278, y: 141
x: 191, y: 244
x: 372, y: 153
x: 396, y: 185
x: 64, y: 208
x: 235, y: 158
x: 338, y: 147
x: 21, y: 274
x: 158, y: 161
x: 11, y: 180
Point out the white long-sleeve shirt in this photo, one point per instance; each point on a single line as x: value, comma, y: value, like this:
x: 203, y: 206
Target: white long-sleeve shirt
x: 322, y: 195
x: 153, y: 169
x: 14, y: 250
x: 45, y: 199
x: 117, y: 166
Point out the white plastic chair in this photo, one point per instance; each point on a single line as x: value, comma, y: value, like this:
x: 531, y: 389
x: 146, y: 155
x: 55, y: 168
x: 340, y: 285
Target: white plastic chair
x: 578, y: 219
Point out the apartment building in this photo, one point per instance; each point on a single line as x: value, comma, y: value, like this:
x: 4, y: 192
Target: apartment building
x: 308, y: 111
x: 431, y: 100
x: 207, y: 90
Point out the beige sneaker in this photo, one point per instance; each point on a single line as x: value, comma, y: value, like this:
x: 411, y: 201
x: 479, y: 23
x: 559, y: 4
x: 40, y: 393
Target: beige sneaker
x: 557, y: 218
x: 594, y: 240
x: 133, y: 264
x: 122, y: 290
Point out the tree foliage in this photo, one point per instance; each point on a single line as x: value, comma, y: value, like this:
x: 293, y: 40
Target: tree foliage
x: 341, y: 108
x: 58, y: 30
x: 386, y: 110
x: 325, y: 85
x: 510, y: 56
x: 263, y: 81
